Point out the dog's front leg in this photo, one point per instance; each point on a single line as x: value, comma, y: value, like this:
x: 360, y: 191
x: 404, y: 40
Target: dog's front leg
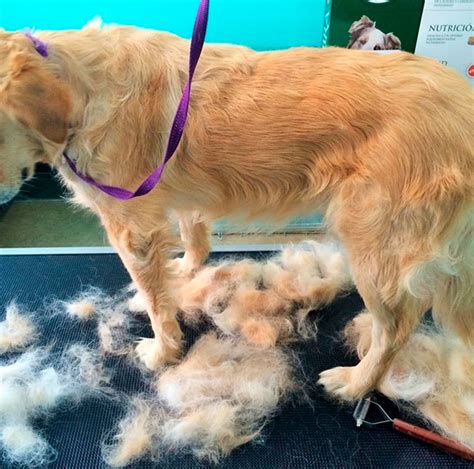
x: 195, y: 238
x: 145, y: 255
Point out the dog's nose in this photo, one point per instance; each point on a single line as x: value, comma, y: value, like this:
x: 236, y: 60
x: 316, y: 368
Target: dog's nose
x: 25, y: 174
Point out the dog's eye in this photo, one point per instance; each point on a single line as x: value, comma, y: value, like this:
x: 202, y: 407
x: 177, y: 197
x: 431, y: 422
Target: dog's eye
x: 377, y: 48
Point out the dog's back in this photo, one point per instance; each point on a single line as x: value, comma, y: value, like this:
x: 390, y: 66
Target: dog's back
x: 282, y: 128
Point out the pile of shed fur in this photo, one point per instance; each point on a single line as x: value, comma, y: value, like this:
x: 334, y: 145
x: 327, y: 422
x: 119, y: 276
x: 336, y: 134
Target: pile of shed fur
x: 34, y: 382
x: 234, y: 378
x: 231, y: 381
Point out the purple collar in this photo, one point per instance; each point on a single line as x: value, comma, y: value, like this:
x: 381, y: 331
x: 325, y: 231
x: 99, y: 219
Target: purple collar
x: 177, y: 128
x: 40, y: 46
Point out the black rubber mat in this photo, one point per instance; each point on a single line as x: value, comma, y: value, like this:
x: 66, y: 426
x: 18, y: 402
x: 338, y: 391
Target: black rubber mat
x: 321, y: 435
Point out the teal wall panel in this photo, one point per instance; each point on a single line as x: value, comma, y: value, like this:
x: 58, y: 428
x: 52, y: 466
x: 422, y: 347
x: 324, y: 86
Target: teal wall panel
x: 261, y: 24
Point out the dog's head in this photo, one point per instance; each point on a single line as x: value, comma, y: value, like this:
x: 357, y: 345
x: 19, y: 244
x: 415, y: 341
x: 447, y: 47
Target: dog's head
x: 364, y: 35
x: 35, y: 106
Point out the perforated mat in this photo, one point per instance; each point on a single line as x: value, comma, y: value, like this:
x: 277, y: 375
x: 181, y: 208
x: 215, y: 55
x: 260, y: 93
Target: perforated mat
x: 299, y: 436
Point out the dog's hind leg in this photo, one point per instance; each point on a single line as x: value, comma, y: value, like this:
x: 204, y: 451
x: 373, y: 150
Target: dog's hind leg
x: 380, y: 250
x: 145, y: 255
x: 392, y: 324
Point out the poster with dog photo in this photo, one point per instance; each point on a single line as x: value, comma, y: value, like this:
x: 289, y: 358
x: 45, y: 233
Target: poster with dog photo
x: 380, y: 25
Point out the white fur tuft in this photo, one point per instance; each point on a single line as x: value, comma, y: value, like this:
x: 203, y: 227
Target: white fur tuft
x: 16, y: 330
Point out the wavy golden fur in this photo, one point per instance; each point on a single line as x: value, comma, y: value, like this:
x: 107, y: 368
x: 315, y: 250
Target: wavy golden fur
x: 382, y: 145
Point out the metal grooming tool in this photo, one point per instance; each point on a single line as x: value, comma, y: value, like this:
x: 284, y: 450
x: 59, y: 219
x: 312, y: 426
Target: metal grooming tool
x: 450, y: 446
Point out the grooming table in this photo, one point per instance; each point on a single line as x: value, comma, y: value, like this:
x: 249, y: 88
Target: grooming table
x: 299, y: 436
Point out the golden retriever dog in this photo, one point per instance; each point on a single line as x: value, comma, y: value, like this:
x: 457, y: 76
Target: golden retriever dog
x: 383, y: 146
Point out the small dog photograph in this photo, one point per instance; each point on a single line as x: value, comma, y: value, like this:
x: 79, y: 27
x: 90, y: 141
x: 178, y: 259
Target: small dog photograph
x: 365, y: 35
x: 375, y: 25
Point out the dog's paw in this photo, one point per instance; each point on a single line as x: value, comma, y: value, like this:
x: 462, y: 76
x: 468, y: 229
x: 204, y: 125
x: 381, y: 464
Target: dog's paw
x: 153, y: 354
x: 339, y: 382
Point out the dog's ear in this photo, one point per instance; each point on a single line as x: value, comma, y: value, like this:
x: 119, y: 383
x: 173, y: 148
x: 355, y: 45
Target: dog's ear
x: 36, y: 98
x: 357, y: 27
x: 392, y: 41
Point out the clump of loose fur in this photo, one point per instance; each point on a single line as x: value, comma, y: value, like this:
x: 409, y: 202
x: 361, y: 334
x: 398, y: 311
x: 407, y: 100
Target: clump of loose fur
x: 266, y: 301
x: 85, y: 368
x: 83, y: 306
x: 109, y: 312
x: 136, y: 433
x: 433, y: 372
x: 34, y: 385
x: 22, y: 444
x: 17, y: 330
x: 216, y: 399
x: 83, y: 309
x: 113, y: 329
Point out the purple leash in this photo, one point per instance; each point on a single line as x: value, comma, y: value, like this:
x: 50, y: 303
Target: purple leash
x: 40, y: 46
x: 179, y: 122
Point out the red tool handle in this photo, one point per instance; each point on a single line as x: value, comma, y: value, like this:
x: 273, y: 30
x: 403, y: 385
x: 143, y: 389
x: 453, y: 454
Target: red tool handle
x: 434, y: 439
